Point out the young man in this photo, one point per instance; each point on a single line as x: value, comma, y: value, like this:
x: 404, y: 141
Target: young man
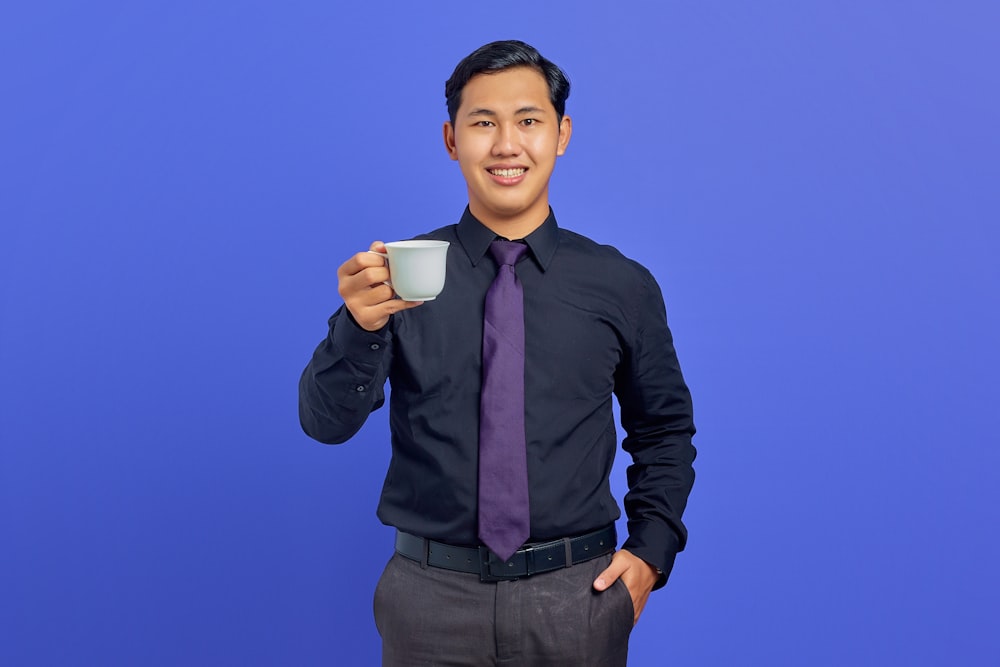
x: 588, y: 324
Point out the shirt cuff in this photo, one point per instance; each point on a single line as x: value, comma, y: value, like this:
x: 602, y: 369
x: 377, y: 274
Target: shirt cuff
x: 356, y: 343
x: 655, y: 544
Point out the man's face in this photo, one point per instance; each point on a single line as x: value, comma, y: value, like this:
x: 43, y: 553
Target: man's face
x: 506, y: 138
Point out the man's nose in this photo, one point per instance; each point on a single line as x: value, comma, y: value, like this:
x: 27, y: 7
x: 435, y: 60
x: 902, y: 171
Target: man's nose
x: 507, y: 141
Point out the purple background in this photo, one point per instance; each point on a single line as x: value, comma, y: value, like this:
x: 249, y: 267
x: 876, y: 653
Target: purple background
x: 815, y: 185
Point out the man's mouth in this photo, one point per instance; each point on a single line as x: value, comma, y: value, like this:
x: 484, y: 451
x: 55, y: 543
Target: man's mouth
x: 507, y: 173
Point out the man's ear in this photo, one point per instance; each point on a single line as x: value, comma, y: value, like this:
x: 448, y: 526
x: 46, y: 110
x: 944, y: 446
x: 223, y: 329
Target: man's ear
x: 565, y: 131
x: 449, y: 140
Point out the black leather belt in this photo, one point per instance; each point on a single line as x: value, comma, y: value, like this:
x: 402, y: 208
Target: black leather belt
x: 526, y: 561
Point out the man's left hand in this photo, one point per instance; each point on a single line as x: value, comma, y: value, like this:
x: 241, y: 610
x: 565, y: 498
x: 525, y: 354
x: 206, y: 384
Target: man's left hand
x: 637, y: 575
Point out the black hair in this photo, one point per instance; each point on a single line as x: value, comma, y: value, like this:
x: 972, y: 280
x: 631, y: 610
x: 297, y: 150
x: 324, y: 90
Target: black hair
x: 498, y: 56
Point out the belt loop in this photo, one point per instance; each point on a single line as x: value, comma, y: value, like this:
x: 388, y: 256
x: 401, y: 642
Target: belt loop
x: 569, y: 551
x: 425, y: 553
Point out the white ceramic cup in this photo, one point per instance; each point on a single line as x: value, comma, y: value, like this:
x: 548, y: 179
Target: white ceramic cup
x: 416, y: 268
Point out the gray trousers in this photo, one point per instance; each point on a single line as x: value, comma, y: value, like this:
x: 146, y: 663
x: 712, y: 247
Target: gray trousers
x: 430, y: 616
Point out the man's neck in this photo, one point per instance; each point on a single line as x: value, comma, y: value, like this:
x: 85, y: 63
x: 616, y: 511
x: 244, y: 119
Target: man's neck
x: 517, y: 227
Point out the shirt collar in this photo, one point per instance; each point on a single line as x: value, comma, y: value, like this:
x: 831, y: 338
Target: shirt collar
x: 476, y: 238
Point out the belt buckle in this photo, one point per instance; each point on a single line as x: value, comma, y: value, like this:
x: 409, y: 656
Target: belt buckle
x: 491, y: 568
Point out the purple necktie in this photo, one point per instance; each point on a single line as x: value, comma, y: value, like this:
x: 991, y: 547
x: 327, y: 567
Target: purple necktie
x: 503, y: 461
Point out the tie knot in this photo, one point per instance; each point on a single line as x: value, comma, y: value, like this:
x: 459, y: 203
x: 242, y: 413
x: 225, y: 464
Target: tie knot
x: 507, y: 252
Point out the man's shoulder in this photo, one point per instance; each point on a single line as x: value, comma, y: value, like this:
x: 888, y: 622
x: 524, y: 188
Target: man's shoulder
x: 602, y: 253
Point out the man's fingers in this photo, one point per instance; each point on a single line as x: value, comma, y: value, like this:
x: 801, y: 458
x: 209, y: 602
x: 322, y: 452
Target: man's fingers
x: 611, y: 573
x: 362, y: 281
x: 638, y: 576
x: 357, y: 292
x: 360, y: 262
x: 361, y: 284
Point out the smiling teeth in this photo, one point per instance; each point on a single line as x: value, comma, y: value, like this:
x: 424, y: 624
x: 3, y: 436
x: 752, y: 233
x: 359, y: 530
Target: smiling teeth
x: 507, y: 173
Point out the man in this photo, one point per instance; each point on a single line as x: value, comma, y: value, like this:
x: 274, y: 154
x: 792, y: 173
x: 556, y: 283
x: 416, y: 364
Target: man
x: 593, y: 324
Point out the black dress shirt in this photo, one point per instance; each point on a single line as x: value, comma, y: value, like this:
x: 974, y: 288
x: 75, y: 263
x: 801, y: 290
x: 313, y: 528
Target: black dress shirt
x: 595, y: 324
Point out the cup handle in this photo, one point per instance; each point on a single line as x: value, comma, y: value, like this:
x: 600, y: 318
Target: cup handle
x: 385, y: 258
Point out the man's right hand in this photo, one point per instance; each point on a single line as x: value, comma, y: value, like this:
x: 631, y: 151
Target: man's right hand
x: 361, y: 283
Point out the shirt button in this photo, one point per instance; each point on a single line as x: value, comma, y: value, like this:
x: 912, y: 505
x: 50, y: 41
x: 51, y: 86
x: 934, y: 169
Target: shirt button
x: 359, y: 388
x: 375, y: 346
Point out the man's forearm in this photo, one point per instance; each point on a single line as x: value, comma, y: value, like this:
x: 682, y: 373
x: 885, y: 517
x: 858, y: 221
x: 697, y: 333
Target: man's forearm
x: 343, y: 382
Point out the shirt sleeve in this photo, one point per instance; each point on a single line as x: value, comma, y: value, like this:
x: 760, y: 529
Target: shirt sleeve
x: 344, y: 381
x: 657, y: 416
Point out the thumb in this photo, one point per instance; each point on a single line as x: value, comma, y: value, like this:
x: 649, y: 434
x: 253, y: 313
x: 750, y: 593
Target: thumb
x: 611, y: 573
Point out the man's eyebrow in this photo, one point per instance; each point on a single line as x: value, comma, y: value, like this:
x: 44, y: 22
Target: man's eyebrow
x: 492, y: 114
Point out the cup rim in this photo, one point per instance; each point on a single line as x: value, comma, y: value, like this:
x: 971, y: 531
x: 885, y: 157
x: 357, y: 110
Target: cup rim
x: 418, y: 243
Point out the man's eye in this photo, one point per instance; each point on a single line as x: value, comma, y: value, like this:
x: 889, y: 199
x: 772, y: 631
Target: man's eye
x: 484, y: 123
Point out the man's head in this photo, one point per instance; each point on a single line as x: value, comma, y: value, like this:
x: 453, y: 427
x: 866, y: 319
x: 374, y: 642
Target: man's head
x: 499, y: 56
x: 508, y: 126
